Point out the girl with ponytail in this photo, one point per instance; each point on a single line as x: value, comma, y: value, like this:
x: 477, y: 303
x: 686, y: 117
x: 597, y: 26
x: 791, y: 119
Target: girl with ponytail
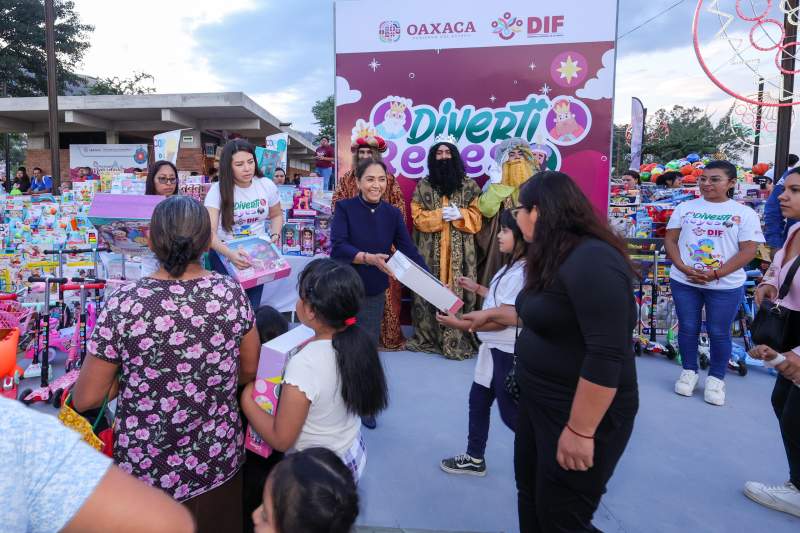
x: 335, y: 379
x: 176, y: 344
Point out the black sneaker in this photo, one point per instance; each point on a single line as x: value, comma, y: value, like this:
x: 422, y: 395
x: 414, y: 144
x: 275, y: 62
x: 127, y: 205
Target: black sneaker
x: 464, y: 464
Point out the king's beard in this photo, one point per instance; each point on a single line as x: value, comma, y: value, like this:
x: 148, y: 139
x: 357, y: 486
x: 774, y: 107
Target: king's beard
x: 515, y: 173
x: 445, y: 177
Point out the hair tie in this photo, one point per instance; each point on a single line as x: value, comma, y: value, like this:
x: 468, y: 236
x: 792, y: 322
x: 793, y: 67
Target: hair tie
x: 350, y: 321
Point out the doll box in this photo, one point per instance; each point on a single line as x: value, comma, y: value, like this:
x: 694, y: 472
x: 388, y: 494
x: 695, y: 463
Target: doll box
x: 423, y: 284
x: 267, y: 386
x: 123, y: 220
x: 267, y: 263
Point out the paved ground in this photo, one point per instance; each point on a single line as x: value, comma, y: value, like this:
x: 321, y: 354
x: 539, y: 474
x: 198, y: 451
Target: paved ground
x: 683, y: 470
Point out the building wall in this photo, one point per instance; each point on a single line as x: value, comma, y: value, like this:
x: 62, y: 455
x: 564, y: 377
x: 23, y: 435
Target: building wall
x: 38, y: 157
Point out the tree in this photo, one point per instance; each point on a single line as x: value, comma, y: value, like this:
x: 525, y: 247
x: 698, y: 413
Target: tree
x: 23, y: 56
x: 17, y: 147
x: 133, y: 85
x: 674, y: 133
x: 323, y: 113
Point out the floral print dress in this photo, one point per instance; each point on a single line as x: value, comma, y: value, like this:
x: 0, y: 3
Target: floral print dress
x: 177, y: 423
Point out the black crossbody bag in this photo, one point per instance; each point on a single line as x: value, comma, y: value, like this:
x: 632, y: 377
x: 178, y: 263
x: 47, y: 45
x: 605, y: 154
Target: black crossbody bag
x: 511, y: 384
x: 771, y: 324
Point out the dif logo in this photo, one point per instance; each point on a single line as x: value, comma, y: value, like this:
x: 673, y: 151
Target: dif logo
x: 389, y: 31
x: 545, y: 26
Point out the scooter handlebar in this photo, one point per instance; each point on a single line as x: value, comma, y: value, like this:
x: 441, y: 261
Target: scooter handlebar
x: 40, y: 279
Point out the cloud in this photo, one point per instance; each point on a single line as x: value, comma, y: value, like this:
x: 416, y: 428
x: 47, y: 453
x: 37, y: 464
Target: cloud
x: 344, y: 94
x: 603, y: 85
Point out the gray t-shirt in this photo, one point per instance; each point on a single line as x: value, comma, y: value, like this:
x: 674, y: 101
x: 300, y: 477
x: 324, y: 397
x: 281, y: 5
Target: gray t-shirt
x: 48, y: 472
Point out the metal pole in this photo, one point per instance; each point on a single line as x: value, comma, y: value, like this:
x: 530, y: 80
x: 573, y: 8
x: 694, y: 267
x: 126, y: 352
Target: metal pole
x: 52, y: 93
x: 759, y: 109
x: 7, y: 139
x: 787, y: 91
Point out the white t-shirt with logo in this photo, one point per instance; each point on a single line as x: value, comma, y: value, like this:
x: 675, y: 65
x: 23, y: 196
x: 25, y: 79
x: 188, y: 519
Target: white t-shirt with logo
x: 710, y: 236
x: 503, y: 290
x: 329, y: 424
x: 250, y: 208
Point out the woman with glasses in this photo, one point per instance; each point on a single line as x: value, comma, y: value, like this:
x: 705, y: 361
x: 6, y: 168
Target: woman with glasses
x: 162, y: 179
x: 709, y: 241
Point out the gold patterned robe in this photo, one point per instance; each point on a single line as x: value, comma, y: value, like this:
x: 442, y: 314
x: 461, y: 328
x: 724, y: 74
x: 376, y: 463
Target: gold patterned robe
x: 449, y: 250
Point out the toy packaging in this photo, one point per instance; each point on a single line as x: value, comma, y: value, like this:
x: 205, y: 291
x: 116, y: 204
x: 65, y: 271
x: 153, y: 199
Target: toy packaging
x: 301, y: 206
x: 290, y: 239
x: 266, y: 262
x: 127, y: 184
x: 322, y: 232
x: 315, y: 183
x: 423, y: 283
x: 267, y: 386
x: 123, y: 220
x: 307, y: 239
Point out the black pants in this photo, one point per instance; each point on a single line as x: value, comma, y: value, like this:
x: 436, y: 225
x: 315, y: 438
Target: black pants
x: 786, y: 402
x: 551, y: 499
x: 480, y: 404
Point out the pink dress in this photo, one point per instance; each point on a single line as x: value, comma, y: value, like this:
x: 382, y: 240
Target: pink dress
x: 777, y: 274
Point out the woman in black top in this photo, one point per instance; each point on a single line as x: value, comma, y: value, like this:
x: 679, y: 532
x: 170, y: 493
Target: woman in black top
x: 576, y: 366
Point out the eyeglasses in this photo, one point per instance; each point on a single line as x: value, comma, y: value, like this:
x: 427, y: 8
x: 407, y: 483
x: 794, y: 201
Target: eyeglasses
x: 713, y: 181
x: 516, y: 210
x: 167, y: 181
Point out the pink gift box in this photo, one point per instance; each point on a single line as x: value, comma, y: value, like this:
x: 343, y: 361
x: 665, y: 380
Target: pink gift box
x: 267, y: 386
x: 266, y: 262
x: 123, y: 220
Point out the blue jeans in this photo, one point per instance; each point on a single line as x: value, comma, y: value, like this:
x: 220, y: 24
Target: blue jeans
x: 327, y: 177
x: 721, y: 308
x: 253, y: 294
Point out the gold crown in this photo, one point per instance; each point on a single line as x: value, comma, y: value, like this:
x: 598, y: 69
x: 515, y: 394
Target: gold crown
x: 562, y: 106
x: 398, y: 107
x: 366, y: 130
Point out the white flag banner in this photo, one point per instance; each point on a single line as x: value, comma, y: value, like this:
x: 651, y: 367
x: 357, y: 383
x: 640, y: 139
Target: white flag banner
x: 166, y: 145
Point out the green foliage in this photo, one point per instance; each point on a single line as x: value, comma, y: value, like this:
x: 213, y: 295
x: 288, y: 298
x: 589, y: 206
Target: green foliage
x: 23, y: 56
x: 323, y: 112
x: 133, y: 85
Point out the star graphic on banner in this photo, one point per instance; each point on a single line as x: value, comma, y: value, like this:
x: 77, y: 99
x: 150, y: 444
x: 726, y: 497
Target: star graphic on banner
x: 374, y: 65
x: 569, y: 69
x: 437, y: 50
x: 545, y: 90
x: 493, y: 98
x: 532, y: 66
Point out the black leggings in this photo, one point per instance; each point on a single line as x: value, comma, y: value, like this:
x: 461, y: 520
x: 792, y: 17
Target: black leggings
x: 552, y: 499
x: 786, y: 402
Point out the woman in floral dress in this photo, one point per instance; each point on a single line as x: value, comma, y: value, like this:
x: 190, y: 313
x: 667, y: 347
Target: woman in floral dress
x: 175, y: 345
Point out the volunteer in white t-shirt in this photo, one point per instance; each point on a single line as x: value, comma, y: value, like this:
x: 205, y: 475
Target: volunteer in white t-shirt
x: 240, y: 204
x: 496, y: 352
x: 709, y: 241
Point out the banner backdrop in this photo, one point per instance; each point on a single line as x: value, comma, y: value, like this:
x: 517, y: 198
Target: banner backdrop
x: 637, y: 133
x: 536, y: 69
x: 274, y: 154
x: 166, y: 146
x: 107, y: 157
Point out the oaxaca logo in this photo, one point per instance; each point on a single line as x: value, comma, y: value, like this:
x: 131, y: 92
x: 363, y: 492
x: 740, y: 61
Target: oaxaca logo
x: 389, y: 31
x: 410, y: 129
x: 441, y: 29
x: 506, y: 27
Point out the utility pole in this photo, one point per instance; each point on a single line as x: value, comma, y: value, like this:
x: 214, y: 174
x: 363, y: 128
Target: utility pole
x: 52, y: 93
x: 7, y: 139
x: 759, y: 109
x: 787, y: 90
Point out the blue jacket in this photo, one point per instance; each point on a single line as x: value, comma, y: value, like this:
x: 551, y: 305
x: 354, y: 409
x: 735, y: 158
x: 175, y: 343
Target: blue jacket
x: 776, y: 228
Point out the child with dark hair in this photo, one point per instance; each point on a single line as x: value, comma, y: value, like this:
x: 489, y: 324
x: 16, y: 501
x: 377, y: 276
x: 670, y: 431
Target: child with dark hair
x: 496, y: 352
x: 335, y: 379
x: 310, y: 491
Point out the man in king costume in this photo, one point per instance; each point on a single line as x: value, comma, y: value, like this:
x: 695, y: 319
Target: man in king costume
x: 370, y: 146
x: 446, y: 218
x: 515, y: 164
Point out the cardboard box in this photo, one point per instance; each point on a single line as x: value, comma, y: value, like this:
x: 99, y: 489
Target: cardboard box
x: 123, y: 220
x: 267, y: 386
x: 266, y: 262
x: 423, y: 284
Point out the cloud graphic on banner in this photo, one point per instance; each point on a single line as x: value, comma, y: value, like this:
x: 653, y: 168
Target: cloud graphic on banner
x: 344, y: 94
x: 603, y: 85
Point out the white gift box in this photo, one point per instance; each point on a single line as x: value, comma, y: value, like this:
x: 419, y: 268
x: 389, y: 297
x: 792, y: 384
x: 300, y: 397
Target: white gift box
x: 423, y: 283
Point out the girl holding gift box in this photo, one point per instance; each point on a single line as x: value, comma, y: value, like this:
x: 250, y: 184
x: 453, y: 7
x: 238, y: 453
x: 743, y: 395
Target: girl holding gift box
x: 496, y: 352
x: 336, y: 378
x: 240, y: 205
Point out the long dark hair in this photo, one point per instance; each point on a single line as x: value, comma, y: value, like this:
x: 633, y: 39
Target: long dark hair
x: 180, y: 232
x: 507, y: 221
x: 566, y: 217
x: 150, y: 185
x: 226, y: 183
x: 313, y: 492
x: 335, y: 291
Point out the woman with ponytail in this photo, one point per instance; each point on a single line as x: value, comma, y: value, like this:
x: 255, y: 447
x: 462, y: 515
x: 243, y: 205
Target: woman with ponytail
x: 175, y: 345
x: 335, y: 379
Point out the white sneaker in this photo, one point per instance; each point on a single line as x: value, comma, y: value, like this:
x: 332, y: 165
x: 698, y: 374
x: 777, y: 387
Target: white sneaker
x: 715, y: 391
x: 784, y: 498
x: 686, y: 383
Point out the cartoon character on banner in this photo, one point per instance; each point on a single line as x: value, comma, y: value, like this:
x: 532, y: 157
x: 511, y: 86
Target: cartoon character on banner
x: 392, y: 118
x: 566, y: 127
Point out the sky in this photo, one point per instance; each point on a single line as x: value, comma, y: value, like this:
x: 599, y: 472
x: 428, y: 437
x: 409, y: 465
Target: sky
x: 281, y: 52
